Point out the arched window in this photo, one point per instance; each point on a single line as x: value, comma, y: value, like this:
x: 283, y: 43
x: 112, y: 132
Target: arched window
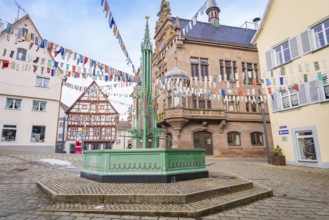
x: 233, y: 139
x: 256, y: 139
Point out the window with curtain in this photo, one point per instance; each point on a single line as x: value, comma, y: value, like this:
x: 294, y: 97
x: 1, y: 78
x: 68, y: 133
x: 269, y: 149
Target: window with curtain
x: 42, y: 82
x: 39, y: 106
x: 12, y: 103
x: 21, y: 54
x: 256, y: 139
x: 233, y: 138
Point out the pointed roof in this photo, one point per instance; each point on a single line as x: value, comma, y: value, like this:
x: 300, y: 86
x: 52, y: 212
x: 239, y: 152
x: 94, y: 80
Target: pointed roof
x: 93, y: 83
x: 27, y: 16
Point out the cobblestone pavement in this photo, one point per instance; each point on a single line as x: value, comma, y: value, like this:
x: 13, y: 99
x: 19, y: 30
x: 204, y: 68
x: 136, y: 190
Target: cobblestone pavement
x: 299, y: 192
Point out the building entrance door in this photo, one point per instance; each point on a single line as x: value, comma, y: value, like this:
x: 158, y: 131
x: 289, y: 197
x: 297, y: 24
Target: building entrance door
x: 203, y: 139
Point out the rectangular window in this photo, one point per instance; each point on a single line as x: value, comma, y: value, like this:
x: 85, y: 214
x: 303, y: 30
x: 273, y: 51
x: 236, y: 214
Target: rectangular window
x: 60, y: 124
x: 183, y: 101
x: 233, y: 139
x: 21, y: 54
x: 74, y: 132
x: 38, y: 134
x: 195, y: 67
x: 321, y: 34
x: 96, y: 132
x: 42, y: 82
x: 204, y: 67
x: 289, y: 98
x: 39, y: 106
x: 256, y: 139
x: 249, y: 72
x: 326, y: 87
x: 8, y: 133
x: 230, y: 106
x: 230, y: 69
x: 202, y: 104
x: 208, y: 104
x: 253, y: 107
x: 169, y: 102
x: 13, y: 103
x: 306, y: 146
x: 282, y: 53
x: 194, y: 102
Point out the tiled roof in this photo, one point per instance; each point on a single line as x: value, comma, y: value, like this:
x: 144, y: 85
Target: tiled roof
x: 123, y: 125
x: 224, y: 34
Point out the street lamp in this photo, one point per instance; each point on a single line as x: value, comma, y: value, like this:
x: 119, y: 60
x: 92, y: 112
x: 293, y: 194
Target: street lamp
x: 265, y: 134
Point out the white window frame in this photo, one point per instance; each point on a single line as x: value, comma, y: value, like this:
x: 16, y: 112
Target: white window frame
x: 326, y: 85
x: 21, y: 54
x: 288, y: 95
x: 14, y: 103
x: 323, y: 31
x: 37, y: 139
x: 39, y: 105
x: 281, y: 53
x: 12, y: 128
x: 44, y: 83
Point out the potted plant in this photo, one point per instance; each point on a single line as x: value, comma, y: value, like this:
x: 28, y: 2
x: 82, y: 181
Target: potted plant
x: 278, y: 158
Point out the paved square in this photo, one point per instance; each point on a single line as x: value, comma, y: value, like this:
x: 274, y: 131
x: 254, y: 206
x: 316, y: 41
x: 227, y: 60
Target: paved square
x: 299, y: 192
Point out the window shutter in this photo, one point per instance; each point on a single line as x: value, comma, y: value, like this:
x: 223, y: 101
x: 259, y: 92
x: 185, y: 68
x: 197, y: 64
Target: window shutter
x: 275, y: 106
x: 302, y: 94
x: 314, y: 94
x: 269, y: 61
x: 306, y: 42
x: 294, y: 48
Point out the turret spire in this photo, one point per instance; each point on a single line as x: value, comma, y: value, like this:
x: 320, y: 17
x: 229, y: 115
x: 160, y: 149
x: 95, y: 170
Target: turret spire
x: 147, y: 40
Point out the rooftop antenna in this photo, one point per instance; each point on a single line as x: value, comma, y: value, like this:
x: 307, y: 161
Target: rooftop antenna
x: 19, y: 8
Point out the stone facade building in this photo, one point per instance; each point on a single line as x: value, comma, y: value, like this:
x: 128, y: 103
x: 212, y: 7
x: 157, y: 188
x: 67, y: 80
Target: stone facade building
x: 230, y: 125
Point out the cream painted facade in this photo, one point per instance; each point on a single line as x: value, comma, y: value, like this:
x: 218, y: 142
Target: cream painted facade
x: 31, y: 123
x: 299, y: 107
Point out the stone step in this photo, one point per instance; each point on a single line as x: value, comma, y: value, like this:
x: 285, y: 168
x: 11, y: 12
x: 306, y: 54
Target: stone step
x: 78, y: 190
x: 193, y: 209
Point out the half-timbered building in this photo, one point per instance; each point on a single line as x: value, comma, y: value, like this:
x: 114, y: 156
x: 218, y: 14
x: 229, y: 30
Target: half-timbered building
x: 92, y: 120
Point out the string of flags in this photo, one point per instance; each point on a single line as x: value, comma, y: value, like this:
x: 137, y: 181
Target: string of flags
x: 72, y: 64
x: 208, y: 89
x: 116, y: 32
x: 106, y: 87
x: 279, y: 79
x: 201, y: 11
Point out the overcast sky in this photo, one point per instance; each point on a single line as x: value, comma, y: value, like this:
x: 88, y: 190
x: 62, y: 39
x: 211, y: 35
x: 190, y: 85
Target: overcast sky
x: 80, y: 25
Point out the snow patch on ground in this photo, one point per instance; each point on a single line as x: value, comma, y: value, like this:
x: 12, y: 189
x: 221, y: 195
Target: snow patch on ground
x: 57, y: 163
x: 99, y: 207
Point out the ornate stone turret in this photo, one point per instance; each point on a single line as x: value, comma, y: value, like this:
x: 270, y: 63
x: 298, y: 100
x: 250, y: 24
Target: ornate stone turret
x: 163, y: 14
x: 213, y: 13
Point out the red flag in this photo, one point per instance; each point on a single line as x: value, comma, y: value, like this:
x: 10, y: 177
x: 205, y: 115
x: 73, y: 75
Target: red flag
x: 269, y: 89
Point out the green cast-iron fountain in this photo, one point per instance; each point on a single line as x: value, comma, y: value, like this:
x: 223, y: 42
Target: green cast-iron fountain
x: 145, y: 165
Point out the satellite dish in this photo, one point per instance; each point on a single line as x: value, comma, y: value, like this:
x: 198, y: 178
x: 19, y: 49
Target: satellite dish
x: 256, y: 20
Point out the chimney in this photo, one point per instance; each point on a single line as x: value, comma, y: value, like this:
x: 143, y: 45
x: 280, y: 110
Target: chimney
x: 213, y: 13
